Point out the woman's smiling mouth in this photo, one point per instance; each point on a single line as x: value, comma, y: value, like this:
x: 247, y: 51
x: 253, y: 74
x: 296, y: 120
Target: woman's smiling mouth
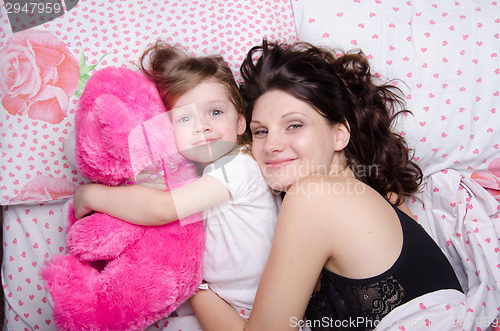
x: 278, y: 163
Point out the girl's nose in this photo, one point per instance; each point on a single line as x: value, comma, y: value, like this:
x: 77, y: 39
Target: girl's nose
x: 202, y: 125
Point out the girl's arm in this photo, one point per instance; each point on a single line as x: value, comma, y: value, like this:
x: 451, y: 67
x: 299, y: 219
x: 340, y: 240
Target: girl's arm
x: 298, y: 254
x: 213, y: 313
x: 147, y: 206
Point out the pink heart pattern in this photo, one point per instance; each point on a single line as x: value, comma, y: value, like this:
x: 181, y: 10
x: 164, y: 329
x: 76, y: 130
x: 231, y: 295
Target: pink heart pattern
x: 447, y: 55
x: 27, y: 242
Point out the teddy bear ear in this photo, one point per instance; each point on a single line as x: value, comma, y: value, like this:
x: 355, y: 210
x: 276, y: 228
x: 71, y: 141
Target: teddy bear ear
x: 114, y: 120
x: 114, y: 103
x: 102, y: 144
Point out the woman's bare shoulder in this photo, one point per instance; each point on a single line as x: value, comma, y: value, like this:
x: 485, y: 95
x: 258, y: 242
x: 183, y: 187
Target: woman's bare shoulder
x: 337, y: 201
x: 328, y: 189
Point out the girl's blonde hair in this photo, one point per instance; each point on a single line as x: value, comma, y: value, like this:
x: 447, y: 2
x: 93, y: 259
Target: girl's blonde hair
x: 175, y: 71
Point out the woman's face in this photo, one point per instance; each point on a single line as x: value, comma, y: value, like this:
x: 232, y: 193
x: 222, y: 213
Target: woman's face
x: 291, y: 140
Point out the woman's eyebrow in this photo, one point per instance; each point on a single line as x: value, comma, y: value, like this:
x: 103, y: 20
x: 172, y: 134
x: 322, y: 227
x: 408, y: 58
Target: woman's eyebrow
x: 291, y: 113
x: 284, y: 116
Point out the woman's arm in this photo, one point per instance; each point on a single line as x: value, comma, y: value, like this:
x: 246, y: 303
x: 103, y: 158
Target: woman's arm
x: 147, y: 206
x: 298, y: 254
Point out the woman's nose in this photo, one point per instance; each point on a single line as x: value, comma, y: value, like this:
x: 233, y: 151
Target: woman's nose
x: 274, y: 143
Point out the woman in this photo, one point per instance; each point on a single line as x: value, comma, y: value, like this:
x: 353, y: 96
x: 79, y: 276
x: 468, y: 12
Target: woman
x: 321, y: 132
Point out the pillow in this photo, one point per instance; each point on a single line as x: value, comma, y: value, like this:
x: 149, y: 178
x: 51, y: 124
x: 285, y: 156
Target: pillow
x: 47, y: 64
x: 447, y: 53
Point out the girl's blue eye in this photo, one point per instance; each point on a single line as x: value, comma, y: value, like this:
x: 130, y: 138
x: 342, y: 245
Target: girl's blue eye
x: 215, y: 112
x: 184, y: 119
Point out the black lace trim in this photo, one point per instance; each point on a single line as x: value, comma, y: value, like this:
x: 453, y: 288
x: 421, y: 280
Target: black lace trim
x: 336, y: 305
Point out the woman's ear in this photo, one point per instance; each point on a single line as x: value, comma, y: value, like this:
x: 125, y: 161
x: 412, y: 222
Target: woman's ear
x: 342, y: 135
x: 242, y: 124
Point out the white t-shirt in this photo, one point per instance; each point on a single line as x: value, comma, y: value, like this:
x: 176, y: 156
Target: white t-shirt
x: 239, y: 232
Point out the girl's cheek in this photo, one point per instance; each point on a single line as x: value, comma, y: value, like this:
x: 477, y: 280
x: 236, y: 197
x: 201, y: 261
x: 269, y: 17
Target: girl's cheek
x: 180, y: 141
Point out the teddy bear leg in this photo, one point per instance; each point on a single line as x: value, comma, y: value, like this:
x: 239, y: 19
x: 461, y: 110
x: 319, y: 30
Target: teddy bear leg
x: 138, y: 292
x: 72, y: 286
x: 101, y: 237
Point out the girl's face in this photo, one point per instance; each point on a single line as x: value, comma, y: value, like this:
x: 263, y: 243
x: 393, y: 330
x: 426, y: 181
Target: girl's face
x: 291, y: 140
x: 205, y: 122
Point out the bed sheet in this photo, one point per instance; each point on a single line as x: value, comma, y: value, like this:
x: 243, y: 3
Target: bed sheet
x: 32, y: 233
x: 446, y: 56
x: 464, y: 219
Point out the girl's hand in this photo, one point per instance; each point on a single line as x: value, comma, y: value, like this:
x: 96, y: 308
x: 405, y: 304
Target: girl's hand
x: 81, y: 205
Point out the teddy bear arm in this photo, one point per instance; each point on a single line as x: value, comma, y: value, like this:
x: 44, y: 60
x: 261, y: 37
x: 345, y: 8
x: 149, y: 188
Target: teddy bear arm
x: 101, y: 237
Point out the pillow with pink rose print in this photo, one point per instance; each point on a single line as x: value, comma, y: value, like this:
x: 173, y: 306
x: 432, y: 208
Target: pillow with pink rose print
x: 41, y: 75
x: 44, y: 69
x: 448, y: 56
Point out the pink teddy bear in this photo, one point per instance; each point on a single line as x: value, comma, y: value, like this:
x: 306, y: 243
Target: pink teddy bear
x: 117, y: 275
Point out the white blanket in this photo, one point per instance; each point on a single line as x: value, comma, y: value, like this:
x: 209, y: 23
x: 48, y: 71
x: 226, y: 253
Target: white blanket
x: 464, y: 219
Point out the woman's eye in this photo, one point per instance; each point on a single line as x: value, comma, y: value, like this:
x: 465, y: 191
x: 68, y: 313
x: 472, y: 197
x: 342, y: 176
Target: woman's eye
x: 215, y: 112
x: 259, y: 132
x: 295, y: 126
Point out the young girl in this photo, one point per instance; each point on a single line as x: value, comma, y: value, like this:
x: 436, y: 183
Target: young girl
x: 342, y: 253
x: 209, y: 126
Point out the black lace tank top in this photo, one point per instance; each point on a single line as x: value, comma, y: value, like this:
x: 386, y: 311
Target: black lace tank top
x: 359, y: 304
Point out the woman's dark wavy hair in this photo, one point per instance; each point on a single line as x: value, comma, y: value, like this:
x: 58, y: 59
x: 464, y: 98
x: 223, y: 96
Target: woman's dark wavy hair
x: 340, y: 87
